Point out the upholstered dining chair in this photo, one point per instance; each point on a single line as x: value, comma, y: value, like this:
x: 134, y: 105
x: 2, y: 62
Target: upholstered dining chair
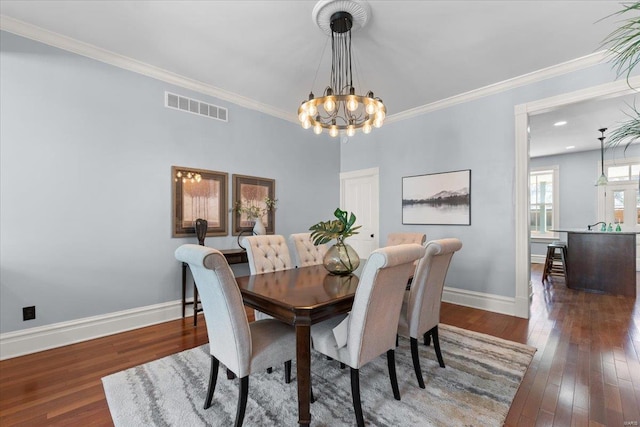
x: 370, y: 328
x: 267, y: 253
x: 243, y: 347
x: 305, y: 252
x: 420, y: 312
x: 403, y: 238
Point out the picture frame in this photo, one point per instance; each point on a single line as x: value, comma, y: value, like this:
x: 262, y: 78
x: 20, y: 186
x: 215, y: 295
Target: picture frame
x: 199, y: 193
x: 252, y: 189
x: 437, y: 199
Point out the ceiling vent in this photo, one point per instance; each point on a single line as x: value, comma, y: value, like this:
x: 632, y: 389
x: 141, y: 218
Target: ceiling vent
x: 189, y: 105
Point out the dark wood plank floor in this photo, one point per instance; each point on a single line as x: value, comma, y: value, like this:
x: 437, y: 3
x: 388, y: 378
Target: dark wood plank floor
x: 586, y: 371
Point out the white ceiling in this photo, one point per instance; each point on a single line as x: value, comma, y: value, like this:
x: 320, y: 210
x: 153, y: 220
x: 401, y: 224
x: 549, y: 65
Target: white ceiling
x: 410, y: 53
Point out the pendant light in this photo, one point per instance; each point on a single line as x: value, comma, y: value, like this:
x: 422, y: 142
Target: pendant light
x: 603, y: 180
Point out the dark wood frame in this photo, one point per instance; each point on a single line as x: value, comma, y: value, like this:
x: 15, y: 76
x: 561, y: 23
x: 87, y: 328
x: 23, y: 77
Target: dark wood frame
x: 178, y: 230
x: 238, y: 182
x: 439, y: 176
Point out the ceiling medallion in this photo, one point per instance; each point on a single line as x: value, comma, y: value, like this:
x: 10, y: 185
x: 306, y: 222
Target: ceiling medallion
x: 340, y: 108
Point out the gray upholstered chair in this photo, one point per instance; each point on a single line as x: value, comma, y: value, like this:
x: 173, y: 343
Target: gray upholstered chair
x: 370, y: 328
x: 403, y: 238
x: 420, y: 313
x: 267, y: 253
x: 305, y: 252
x: 242, y: 347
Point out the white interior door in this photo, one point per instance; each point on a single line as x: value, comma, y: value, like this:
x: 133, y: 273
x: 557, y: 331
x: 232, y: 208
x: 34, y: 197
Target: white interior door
x: 359, y: 194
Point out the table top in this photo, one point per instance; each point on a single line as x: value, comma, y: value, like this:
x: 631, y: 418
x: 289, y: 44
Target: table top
x: 593, y: 231
x: 306, y: 294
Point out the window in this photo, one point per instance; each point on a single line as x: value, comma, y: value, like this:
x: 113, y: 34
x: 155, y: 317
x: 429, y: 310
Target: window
x: 544, y: 208
x: 625, y: 172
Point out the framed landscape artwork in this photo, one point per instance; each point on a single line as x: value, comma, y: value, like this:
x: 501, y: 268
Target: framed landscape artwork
x: 199, y: 193
x: 439, y: 198
x: 251, y: 191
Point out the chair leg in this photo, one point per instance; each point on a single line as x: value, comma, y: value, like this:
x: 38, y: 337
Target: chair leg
x: 242, y: 400
x: 230, y: 375
x: 355, y: 395
x: 213, y: 378
x: 396, y: 340
x: 391, y: 363
x: 269, y: 370
x: 416, y: 361
x: 436, y: 345
x: 342, y: 365
x: 427, y: 339
x: 287, y: 371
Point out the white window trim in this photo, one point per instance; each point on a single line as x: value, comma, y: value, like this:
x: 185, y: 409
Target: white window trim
x: 555, y: 169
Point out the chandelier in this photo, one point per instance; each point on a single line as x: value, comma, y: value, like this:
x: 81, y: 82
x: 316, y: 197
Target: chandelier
x: 340, y: 108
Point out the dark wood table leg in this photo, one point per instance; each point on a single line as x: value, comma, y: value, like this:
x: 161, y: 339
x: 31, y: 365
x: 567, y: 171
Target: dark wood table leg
x: 184, y: 287
x: 303, y: 369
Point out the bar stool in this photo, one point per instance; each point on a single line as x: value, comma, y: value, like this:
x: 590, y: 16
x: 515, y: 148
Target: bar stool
x: 556, y: 262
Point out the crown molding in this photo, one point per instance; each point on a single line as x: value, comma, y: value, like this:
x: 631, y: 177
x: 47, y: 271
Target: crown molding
x: 72, y: 45
x: 523, y: 80
x: 50, y: 38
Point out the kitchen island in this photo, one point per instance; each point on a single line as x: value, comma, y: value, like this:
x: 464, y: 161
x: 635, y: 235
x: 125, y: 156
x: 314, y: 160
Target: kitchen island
x: 600, y: 261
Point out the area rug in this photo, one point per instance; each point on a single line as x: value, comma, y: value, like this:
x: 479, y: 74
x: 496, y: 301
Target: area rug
x: 476, y: 388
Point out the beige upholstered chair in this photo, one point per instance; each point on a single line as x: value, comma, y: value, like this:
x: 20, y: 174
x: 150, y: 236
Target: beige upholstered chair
x: 305, y: 252
x: 242, y: 347
x: 265, y: 254
x: 420, y: 313
x: 370, y: 328
x: 403, y: 238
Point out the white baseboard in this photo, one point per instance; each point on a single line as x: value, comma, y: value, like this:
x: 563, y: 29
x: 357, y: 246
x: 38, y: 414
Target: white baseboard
x: 33, y: 340
x: 538, y: 259
x: 482, y: 301
x: 27, y: 341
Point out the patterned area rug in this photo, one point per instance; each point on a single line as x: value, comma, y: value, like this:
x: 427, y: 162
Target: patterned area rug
x: 476, y: 388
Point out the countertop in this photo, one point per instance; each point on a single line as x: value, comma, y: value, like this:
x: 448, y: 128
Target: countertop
x: 596, y: 230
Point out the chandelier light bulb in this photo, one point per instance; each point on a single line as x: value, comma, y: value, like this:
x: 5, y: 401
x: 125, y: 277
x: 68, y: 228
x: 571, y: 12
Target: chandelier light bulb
x: 317, y: 129
x: 333, y: 131
x: 352, y: 103
x: 306, y: 124
x: 370, y: 108
x: 303, y: 115
x: 351, y: 130
x: 366, y: 128
x: 184, y: 180
x: 329, y: 105
x: 312, y: 109
x: 179, y: 174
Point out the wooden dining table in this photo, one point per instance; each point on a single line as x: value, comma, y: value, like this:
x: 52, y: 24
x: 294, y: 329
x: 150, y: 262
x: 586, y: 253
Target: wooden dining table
x: 300, y: 297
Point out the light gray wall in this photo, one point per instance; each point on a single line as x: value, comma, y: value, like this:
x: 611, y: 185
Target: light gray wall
x: 477, y: 135
x: 577, y: 193
x: 86, y: 151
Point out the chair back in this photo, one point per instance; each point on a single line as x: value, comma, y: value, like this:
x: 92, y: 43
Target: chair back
x: 227, y: 324
x: 267, y: 253
x: 423, y: 307
x: 305, y: 252
x: 373, y: 321
x: 404, y: 238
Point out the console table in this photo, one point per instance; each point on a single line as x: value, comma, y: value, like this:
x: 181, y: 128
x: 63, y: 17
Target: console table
x: 233, y: 256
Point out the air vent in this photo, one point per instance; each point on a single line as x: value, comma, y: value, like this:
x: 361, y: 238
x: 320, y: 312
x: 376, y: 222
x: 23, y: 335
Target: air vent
x: 193, y: 106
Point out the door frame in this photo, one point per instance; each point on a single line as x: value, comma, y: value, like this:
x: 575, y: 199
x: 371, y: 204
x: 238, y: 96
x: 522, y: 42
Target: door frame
x: 522, y: 112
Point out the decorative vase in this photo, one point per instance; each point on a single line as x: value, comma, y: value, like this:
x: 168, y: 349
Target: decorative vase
x: 201, y: 230
x: 258, y: 228
x: 341, y: 259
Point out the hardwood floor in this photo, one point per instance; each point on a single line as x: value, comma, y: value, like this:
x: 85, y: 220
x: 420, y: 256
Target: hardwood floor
x: 586, y: 371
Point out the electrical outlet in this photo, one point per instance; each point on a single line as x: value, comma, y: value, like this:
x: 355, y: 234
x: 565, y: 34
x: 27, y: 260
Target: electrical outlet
x: 29, y: 313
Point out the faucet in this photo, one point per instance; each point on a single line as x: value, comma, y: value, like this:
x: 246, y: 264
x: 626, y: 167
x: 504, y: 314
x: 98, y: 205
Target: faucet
x: 593, y: 225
